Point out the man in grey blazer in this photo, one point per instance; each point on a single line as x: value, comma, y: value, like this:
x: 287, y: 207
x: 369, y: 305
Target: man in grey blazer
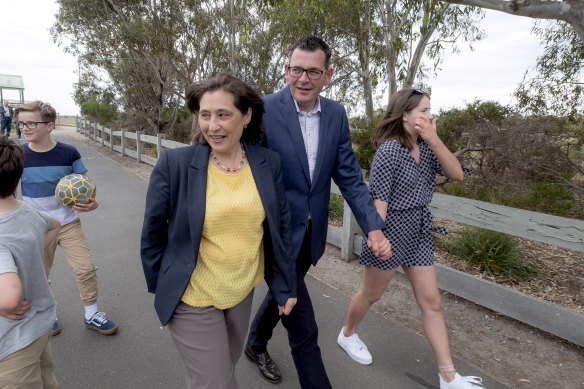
x: 311, y: 134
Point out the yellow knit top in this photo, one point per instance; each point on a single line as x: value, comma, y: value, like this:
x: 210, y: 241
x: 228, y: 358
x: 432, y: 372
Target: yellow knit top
x: 231, y: 255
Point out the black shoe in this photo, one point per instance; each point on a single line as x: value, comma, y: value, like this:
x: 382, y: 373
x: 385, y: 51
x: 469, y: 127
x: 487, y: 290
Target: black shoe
x: 266, y: 365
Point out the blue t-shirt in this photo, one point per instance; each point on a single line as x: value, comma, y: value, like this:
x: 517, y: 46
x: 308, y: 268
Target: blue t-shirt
x: 42, y: 172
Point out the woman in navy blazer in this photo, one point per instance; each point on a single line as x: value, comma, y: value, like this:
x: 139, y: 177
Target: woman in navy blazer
x: 230, y: 115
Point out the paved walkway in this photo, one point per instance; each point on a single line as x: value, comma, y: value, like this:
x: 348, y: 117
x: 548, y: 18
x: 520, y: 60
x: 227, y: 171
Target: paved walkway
x: 142, y: 355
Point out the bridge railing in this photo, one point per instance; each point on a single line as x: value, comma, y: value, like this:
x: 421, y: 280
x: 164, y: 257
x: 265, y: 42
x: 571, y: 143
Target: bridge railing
x: 555, y: 230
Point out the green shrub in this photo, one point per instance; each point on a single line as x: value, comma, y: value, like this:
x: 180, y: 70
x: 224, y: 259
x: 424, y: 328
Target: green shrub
x: 492, y: 252
x: 336, y: 207
x: 551, y: 198
x: 361, y: 130
x: 96, y: 111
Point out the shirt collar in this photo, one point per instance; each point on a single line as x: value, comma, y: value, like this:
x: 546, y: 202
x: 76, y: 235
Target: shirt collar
x: 313, y: 111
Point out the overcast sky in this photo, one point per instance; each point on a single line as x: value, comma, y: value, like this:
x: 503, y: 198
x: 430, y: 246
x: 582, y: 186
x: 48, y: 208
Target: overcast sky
x: 490, y: 72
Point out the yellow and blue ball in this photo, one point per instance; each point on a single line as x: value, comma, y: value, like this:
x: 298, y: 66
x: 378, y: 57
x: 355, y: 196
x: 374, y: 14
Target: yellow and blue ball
x: 73, y: 189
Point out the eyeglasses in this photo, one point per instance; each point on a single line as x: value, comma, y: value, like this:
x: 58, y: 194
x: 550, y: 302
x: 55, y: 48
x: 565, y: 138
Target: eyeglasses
x: 30, y: 124
x: 313, y: 74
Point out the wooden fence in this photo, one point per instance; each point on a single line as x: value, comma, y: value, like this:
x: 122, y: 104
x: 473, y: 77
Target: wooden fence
x: 555, y: 230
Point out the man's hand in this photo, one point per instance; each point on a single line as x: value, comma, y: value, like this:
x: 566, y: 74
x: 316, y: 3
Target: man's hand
x: 90, y: 206
x: 18, y: 312
x: 287, y: 308
x: 379, y: 244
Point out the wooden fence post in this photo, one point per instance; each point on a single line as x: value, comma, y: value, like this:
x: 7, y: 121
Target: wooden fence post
x: 350, y: 229
x: 159, y: 138
x: 102, y: 132
x: 138, y: 146
x: 95, y: 132
x: 123, y: 141
x: 111, y: 139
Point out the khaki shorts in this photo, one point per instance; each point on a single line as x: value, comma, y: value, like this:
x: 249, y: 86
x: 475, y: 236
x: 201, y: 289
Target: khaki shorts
x: 30, y: 367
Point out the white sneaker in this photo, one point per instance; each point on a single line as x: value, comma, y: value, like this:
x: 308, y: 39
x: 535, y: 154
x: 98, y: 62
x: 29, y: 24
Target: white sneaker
x: 460, y: 382
x: 355, y: 348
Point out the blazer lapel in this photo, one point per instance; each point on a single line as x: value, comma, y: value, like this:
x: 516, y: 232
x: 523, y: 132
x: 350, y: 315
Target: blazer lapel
x: 290, y: 115
x: 196, y: 192
x: 262, y: 175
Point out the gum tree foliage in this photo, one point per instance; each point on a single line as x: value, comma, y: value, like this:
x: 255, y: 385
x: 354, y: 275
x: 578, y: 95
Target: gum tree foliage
x: 555, y: 85
x: 376, y: 43
x: 128, y: 40
x: 151, y: 49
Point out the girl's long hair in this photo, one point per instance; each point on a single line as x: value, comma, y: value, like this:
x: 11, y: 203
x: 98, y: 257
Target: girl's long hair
x: 391, y: 125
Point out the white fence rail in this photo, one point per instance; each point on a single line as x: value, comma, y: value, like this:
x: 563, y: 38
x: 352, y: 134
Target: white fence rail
x: 559, y: 231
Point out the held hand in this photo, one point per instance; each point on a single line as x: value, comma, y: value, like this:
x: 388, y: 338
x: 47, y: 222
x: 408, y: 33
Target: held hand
x: 18, y: 312
x: 287, y: 308
x: 426, y: 127
x: 90, y: 206
x: 379, y: 244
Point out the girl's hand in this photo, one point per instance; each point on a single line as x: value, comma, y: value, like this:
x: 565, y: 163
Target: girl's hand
x: 426, y: 128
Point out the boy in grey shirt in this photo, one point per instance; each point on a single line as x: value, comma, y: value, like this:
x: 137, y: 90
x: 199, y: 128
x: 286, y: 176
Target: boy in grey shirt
x: 27, y: 306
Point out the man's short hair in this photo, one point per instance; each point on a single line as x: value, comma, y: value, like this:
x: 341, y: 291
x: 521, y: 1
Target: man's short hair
x: 312, y: 43
x: 48, y: 113
x: 11, y: 166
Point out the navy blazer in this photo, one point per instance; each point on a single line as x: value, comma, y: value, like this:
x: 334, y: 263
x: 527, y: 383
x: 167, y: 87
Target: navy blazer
x: 335, y: 160
x: 174, y: 217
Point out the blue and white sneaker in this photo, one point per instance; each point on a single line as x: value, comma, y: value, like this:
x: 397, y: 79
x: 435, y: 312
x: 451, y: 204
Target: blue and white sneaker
x: 99, y: 322
x: 56, y: 328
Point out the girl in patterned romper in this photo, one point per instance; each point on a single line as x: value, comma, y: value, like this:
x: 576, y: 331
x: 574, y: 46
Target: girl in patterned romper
x: 409, y: 154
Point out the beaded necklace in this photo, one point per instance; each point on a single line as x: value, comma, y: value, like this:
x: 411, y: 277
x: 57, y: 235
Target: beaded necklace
x: 228, y: 169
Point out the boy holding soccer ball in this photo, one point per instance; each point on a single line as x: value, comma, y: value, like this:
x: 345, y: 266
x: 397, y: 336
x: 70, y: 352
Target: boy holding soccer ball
x: 46, y: 162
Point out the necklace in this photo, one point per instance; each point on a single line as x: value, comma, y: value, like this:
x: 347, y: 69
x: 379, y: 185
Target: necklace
x: 228, y: 169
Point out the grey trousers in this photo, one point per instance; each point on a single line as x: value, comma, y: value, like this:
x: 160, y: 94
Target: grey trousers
x: 210, y: 342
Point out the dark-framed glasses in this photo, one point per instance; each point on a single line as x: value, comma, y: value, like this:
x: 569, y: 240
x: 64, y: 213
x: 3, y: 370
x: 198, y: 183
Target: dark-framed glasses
x: 313, y: 74
x: 30, y: 124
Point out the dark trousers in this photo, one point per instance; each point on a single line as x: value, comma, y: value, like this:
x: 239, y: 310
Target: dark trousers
x: 6, y: 123
x: 301, y: 327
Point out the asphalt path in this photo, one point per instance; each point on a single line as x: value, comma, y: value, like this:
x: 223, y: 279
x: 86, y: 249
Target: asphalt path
x: 142, y: 354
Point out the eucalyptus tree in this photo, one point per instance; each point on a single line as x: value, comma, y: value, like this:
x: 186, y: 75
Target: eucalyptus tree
x: 376, y: 43
x: 416, y: 34
x: 555, y: 84
x: 145, y: 48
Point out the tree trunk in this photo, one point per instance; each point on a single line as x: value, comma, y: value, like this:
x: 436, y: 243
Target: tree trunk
x: 571, y: 12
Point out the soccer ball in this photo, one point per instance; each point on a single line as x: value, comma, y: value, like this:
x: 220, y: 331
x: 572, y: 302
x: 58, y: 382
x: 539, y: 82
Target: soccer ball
x: 73, y: 189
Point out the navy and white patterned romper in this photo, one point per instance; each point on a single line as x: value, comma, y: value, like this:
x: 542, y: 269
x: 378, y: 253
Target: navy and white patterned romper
x: 407, y: 188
